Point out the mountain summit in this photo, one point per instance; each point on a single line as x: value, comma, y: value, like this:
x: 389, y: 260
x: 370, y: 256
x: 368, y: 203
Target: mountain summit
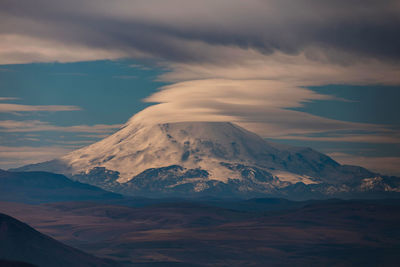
x: 213, y: 158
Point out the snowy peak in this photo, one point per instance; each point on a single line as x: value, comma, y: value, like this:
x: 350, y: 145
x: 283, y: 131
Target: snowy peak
x: 138, y: 147
x: 222, y: 140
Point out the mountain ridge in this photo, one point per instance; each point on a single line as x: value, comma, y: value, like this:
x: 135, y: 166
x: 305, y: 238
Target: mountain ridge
x: 40, y: 187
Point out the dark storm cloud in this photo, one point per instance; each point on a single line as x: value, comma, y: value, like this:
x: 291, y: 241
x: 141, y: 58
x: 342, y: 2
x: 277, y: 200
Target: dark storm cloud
x: 180, y: 30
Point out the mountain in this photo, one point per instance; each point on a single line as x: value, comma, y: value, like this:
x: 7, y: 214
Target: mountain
x: 20, y: 242
x: 37, y: 187
x: 210, y: 158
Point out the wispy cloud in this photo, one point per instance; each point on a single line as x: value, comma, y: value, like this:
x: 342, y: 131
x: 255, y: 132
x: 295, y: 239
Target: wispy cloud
x: 94, y: 136
x: 8, y: 98
x: 386, y: 136
x: 30, y: 139
x: 70, y: 74
x: 384, y: 165
x: 6, y: 70
x: 140, y: 67
x: 19, y: 49
x: 74, y: 142
x: 10, y: 108
x: 125, y: 77
x: 294, y: 69
x: 18, y: 156
x: 12, y: 126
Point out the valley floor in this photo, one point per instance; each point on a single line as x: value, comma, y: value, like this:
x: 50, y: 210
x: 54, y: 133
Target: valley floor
x: 248, y: 233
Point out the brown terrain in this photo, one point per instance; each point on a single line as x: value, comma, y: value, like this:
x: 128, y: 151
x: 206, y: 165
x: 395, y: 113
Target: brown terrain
x: 316, y: 233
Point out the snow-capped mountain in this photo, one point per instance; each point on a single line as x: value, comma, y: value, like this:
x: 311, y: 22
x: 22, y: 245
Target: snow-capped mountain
x: 214, y: 158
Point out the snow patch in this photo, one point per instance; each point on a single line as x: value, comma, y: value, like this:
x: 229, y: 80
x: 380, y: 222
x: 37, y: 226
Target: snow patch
x: 294, y: 178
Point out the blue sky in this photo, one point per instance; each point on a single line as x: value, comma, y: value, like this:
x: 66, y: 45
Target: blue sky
x: 108, y: 92
x: 324, y: 77
x: 369, y: 104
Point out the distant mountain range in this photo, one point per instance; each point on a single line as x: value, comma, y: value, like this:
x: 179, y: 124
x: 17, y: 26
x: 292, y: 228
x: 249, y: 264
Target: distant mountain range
x: 217, y: 159
x: 20, y: 242
x: 40, y: 187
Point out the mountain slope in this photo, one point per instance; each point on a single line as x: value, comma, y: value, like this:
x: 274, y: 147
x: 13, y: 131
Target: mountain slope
x: 37, y: 187
x: 214, y: 158
x: 20, y: 242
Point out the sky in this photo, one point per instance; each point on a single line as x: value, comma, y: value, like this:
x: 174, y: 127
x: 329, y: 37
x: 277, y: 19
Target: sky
x: 323, y: 74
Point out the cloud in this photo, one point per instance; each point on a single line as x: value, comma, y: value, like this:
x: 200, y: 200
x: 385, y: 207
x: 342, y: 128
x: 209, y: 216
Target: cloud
x: 6, y: 70
x: 261, y: 106
x: 17, y: 156
x: 8, y: 98
x: 12, y: 108
x: 74, y: 143
x: 16, y: 49
x: 140, y: 67
x: 12, y: 126
x: 384, y: 165
x: 294, y: 69
x: 188, y: 31
x: 9, y: 108
x: 386, y: 136
x: 70, y: 74
x: 126, y: 77
x: 95, y: 135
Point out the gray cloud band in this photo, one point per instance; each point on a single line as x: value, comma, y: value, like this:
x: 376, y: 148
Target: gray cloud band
x: 345, y: 31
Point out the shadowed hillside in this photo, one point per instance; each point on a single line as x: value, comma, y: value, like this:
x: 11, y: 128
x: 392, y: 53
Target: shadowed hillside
x: 19, y: 242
